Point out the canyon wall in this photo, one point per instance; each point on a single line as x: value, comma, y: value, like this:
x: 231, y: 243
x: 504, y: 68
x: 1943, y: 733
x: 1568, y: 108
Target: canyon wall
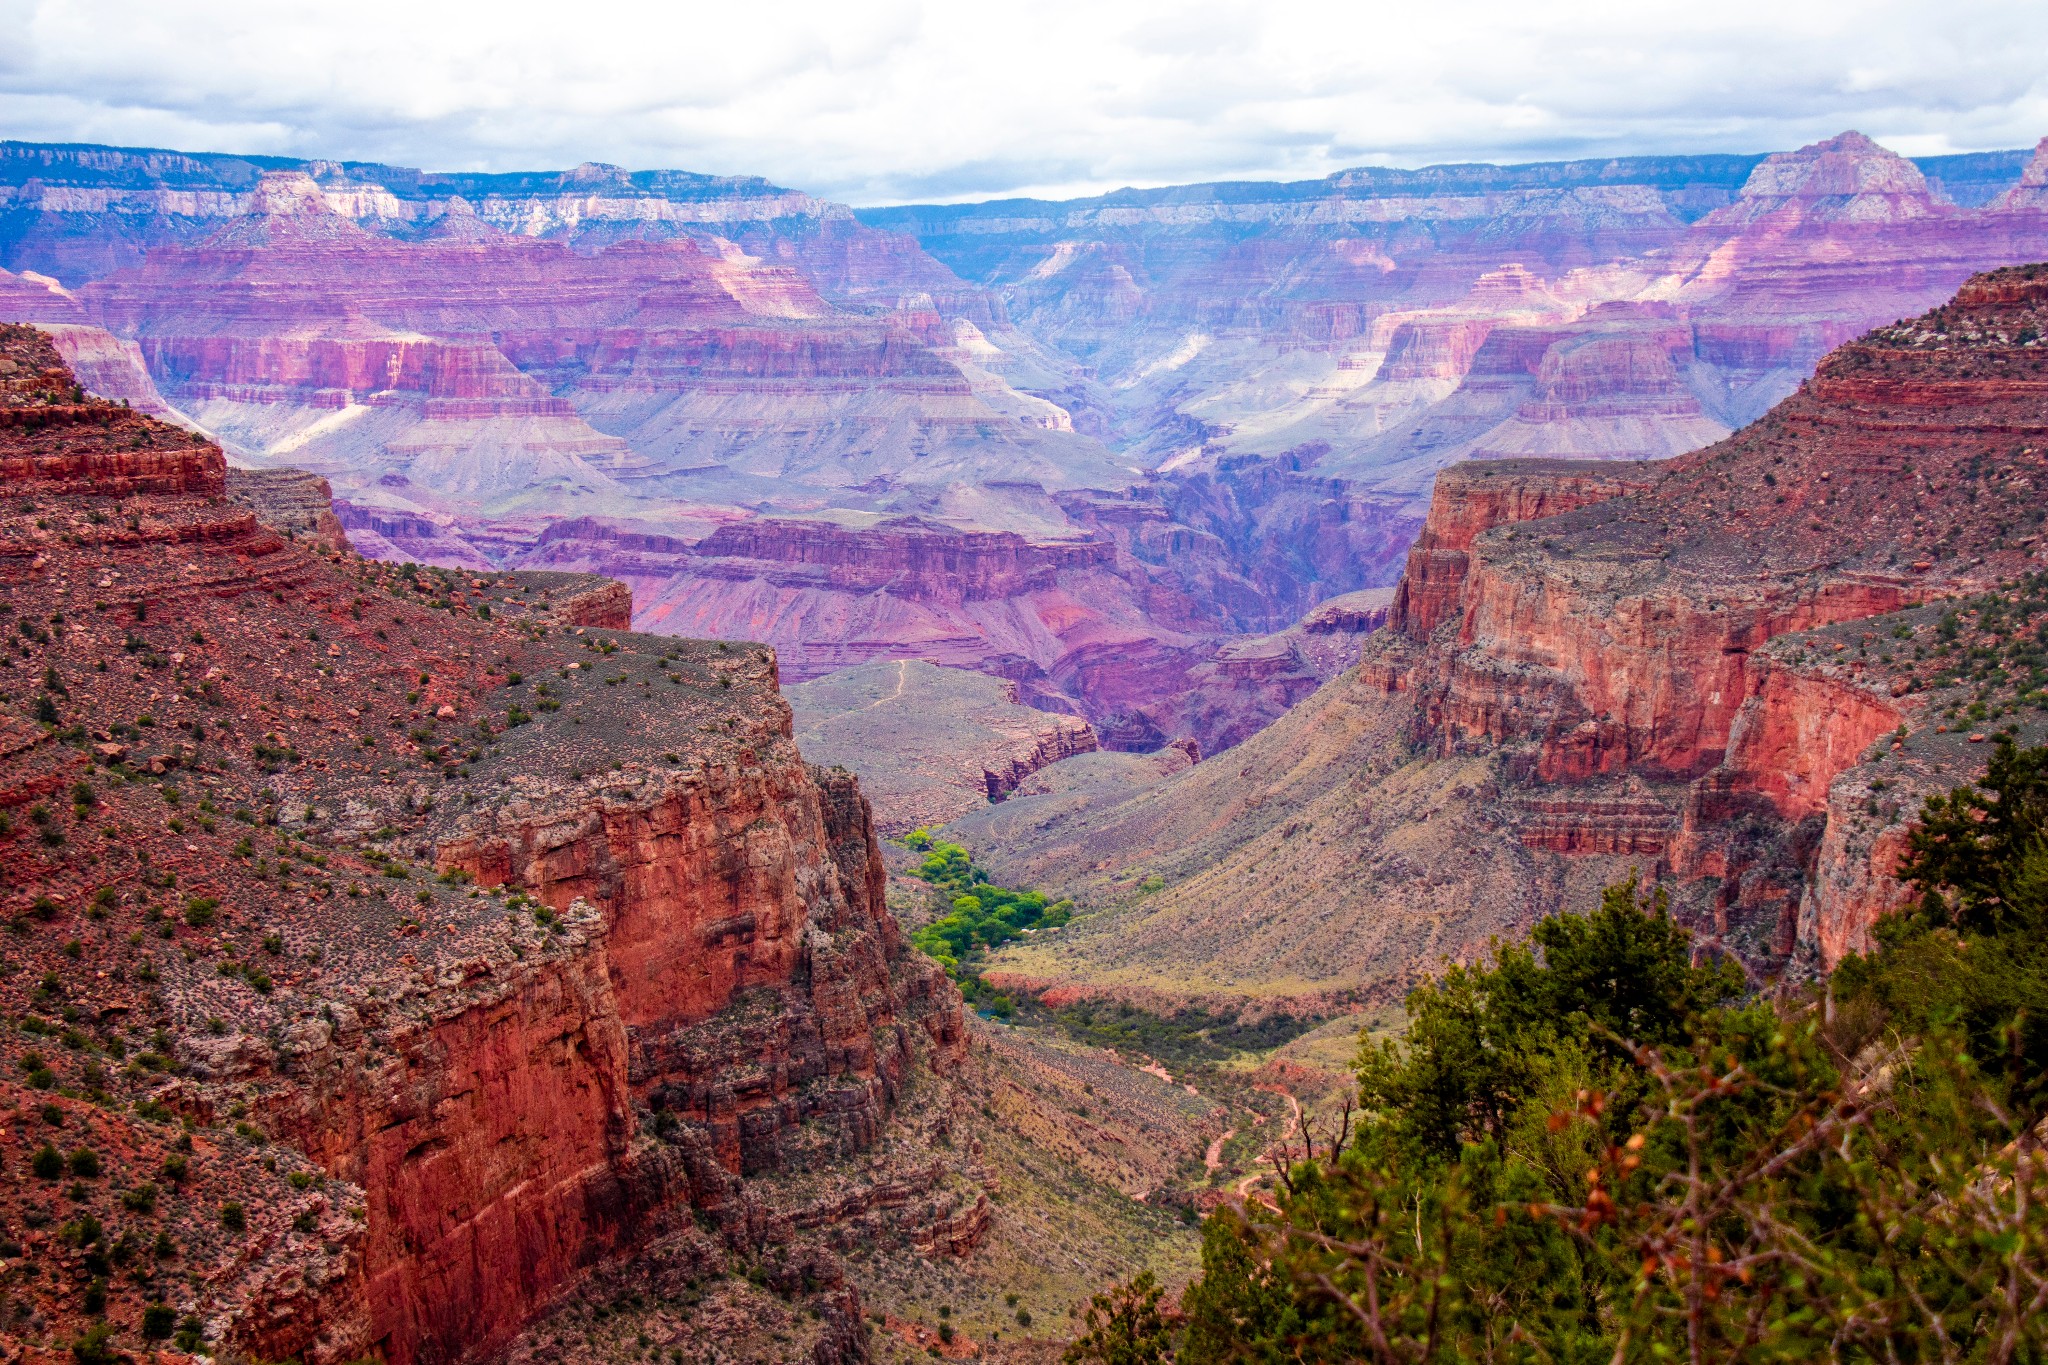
x: 1384, y: 324
x: 1631, y: 637
x: 1470, y: 500
x: 624, y: 963
x: 1733, y: 674
x: 1198, y: 412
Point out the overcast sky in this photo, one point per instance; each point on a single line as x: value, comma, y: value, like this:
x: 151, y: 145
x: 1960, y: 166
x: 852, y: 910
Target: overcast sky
x: 886, y: 101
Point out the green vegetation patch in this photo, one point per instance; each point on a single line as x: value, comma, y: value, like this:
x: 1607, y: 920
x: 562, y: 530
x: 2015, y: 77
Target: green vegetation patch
x: 1187, y: 1039
x: 1604, y: 1146
x: 983, y: 916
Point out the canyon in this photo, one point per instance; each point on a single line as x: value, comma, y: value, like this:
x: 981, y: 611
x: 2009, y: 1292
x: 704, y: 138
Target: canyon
x: 929, y: 743
x: 470, y: 647
x: 424, y: 966
x: 1099, y: 449
x: 585, y: 996
x: 1383, y: 324
x: 1732, y: 674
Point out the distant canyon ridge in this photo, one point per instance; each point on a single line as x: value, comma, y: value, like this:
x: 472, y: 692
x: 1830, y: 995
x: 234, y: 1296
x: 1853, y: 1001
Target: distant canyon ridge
x: 1111, y: 450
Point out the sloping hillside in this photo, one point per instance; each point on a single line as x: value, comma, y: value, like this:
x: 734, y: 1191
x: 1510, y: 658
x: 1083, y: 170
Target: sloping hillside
x: 1718, y: 671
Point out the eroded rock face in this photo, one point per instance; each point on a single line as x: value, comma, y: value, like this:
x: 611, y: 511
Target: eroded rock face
x: 1735, y: 673
x: 930, y: 743
x: 1628, y: 638
x: 499, y: 1144
x: 1076, y: 625
x: 291, y: 502
x: 593, y: 981
x: 1472, y: 499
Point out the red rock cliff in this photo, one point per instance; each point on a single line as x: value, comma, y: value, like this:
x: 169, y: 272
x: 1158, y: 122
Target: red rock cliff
x: 655, y: 962
x: 1600, y: 631
x: 1473, y: 498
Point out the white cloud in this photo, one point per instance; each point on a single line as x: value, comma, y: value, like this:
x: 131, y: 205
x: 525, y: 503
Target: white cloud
x: 879, y: 100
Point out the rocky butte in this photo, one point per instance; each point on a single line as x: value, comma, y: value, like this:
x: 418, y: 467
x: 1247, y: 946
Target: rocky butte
x: 390, y: 954
x: 1736, y: 673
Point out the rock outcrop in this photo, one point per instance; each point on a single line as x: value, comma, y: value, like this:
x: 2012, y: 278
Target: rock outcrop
x: 2030, y: 195
x: 930, y: 743
x: 1735, y: 672
x: 479, y: 950
x: 291, y: 502
x: 1471, y: 500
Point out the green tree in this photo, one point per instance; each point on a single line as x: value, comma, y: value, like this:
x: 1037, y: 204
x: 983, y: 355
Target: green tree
x: 1978, y: 856
x: 1973, y: 954
x: 1623, y: 972
x: 159, y: 1320
x: 1124, y: 1327
x: 1238, y: 1312
x: 95, y: 1346
x: 1591, y: 1150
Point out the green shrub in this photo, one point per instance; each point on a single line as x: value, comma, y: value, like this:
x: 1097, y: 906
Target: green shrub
x: 982, y: 914
x: 95, y: 1345
x: 191, y: 1334
x: 1529, y: 1173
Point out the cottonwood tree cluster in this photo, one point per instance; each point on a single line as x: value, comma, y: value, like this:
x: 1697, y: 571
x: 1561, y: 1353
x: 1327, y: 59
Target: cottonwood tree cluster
x: 1599, y: 1147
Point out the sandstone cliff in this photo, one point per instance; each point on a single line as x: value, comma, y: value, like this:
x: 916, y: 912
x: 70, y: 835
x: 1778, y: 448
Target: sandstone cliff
x: 1729, y: 671
x: 520, y: 946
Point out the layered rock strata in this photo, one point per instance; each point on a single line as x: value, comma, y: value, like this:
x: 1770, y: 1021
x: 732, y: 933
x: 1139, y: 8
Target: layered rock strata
x: 1628, y: 636
x: 291, y: 502
x: 518, y: 945
x: 1736, y: 673
x: 1386, y: 324
x: 1244, y: 392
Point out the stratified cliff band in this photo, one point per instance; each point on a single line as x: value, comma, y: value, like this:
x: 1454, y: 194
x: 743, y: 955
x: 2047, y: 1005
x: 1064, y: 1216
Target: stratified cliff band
x: 416, y: 949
